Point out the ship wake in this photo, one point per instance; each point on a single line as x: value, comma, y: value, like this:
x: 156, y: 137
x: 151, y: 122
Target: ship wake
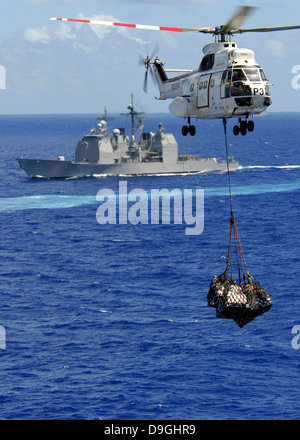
x: 10, y: 204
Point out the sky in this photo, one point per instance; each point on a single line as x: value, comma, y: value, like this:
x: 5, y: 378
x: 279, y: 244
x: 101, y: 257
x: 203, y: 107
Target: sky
x: 54, y: 67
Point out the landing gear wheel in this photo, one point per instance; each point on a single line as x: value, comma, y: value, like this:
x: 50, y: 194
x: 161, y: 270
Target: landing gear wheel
x: 250, y: 126
x: 184, y: 130
x: 188, y: 129
x: 243, y: 128
x: 192, y: 130
x: 236, y: 130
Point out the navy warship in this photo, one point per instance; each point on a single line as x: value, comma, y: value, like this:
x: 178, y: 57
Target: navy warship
x: 102, y: 154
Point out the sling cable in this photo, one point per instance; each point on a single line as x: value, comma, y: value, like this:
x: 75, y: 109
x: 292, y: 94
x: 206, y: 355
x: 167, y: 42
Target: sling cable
x: 244, y: 300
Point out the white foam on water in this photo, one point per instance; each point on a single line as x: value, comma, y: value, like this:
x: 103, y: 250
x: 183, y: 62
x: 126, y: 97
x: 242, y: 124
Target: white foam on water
x: 269, y: 167
x: 10, y: 204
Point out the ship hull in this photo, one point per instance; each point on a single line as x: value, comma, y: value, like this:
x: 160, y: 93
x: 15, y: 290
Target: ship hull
x: 61, y: 169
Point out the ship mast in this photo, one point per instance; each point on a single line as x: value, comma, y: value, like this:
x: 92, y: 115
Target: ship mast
x: 140, y: 116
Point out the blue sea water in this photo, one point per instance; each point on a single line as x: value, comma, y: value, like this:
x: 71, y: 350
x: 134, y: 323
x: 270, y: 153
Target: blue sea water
x: 111, y: 321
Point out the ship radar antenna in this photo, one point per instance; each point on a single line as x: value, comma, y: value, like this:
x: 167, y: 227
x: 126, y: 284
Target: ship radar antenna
x: 137, y: 119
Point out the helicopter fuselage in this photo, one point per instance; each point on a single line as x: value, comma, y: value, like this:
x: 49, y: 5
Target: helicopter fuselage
x: 228, y: 84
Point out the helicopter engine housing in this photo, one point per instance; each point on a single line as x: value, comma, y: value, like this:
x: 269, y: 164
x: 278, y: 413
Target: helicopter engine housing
x: 182, y: 106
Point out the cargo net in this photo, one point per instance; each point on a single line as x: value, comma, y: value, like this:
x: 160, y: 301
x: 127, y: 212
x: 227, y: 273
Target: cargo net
x: 241, y: 301
x: 244, y: 300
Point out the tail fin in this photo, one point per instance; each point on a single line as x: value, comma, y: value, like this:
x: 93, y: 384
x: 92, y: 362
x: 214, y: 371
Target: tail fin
x: 160, y: 76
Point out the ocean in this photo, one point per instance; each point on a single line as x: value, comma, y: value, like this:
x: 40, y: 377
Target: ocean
x: 110, y: 321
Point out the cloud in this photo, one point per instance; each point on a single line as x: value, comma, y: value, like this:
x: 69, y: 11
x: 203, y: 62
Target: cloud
x: 64, y: 32
x: 82, y: 33
x: 37, y: 35
x: 275, y: 48
x: 83, y: 36
x: 102, y: 31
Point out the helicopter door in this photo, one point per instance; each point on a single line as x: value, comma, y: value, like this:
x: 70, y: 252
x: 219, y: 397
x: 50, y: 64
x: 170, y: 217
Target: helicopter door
x: 203, y: 91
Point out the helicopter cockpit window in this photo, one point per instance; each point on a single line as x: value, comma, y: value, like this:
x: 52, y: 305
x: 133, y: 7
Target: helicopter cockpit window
x: 226, y: 77
x: 263, y: 75
x: 207, y: 62
x: 238, y: 75
x: 240, y: 89
x: 252, y: 74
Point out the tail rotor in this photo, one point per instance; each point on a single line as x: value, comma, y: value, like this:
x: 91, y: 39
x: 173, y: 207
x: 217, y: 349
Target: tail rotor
x: 147, y: 62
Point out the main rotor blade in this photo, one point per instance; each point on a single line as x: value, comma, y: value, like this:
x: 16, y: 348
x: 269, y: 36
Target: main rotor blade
x: 267, y: 29
x: 152, y: 76
x: 155, y: 51
x: 238, y: 18
x: 145, y: 86
x: 137, y: 26
x: 141, y: 60
x: 231, y: 27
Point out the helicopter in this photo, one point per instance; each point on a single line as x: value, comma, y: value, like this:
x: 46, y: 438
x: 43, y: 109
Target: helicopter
x: 227, y: 84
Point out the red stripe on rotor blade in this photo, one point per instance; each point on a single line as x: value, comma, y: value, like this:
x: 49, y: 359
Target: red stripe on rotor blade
x: 163, y: 28
x: 78, y: 20
x: 125, y: 25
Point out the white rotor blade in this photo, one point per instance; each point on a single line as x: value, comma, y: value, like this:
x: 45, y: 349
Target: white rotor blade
x: 268, y: 29
x: 137, y: 26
